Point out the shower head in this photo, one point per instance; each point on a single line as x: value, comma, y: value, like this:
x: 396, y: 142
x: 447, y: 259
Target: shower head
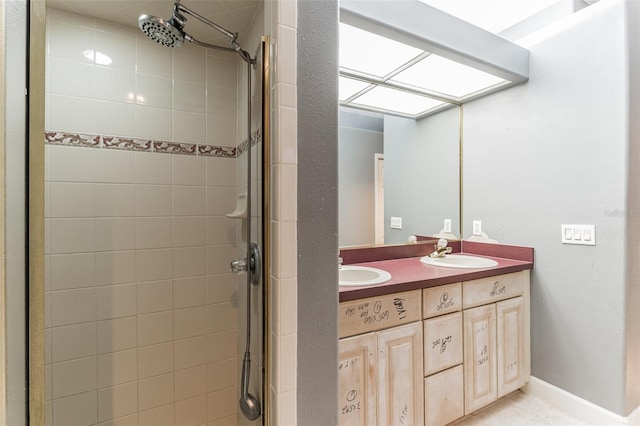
x: 167, y: 33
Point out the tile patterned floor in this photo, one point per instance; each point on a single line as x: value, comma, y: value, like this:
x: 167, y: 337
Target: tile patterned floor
x: 520, y: 409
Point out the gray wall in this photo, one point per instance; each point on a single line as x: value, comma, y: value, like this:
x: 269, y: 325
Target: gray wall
x: 356, y: 188
x: 317, y: 375
x: 552, y: 152
x: 421, y: 174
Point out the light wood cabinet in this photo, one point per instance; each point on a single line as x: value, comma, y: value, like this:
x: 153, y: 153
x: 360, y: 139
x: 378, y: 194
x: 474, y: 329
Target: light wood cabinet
x: 480, y: 357
x: 357, y: 373
x: 496, y: 338
x: 380, y: 377
x: 471, y: 347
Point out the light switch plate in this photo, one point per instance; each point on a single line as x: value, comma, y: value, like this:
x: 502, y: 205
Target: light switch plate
x: 447, y: 225
x: 396, y: 223
x: 579, y: 234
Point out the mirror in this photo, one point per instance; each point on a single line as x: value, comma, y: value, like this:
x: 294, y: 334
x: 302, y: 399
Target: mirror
x: 396, y: 167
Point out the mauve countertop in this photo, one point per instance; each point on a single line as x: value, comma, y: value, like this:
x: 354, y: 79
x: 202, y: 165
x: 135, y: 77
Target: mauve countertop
x: 410, y: 273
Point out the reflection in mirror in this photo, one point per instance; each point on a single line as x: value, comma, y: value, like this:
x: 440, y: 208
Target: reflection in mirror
x: 393, y: 167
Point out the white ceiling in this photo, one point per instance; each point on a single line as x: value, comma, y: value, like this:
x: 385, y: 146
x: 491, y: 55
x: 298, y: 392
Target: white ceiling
x: 233, y: 15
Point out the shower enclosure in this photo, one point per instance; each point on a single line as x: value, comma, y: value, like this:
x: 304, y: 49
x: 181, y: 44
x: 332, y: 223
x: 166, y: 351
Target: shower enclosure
x: 150, y: 154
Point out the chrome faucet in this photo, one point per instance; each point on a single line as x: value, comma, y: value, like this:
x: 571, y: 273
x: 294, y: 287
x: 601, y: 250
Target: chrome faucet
x: 441, y: 248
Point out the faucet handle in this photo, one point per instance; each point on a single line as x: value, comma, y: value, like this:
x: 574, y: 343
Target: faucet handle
x: 442, y: 243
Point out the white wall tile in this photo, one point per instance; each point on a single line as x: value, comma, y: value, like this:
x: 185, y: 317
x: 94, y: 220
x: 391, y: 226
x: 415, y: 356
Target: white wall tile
x: 73, y: 306
x: 155, y: 328
x: 189, y: 65
x: 117, y: 368
x: 286, y: 150
x: 154, y: 265
x: 72, y: 235
x: 221, y: 131
x: 160, y: 416
x: 189, y: 262
x: 76, y: 410
x: 153, y: 200
x: 220, y: 200
x: 153, y: 123
x: 222, y: 345
x: 190, y: 352
x: 151, y: 58
x: 74, y: 377
x: 71, y: 164
x: 284, y: 309
x: 219, y: 258
x: 189, y: 292
x: 155, y: 296
x: 222, y: 317
x: 71, y: 200
x: 284, y: 249
x: 222, y: 101
x: 189, y: 127
x: 285, y: 207
x: 69, y: 271
x: 222, y: 375
x: 221, y: 171
x: 190, y: 322
x: 120, y: 50
x: 152, y: 168
x: 222, y: 403
x: 48, y: 382
x: 115, y: 301
x: 191, y: 412
x: 189, y: 170
x: 131, y: 420
x: 154, y: 360
x: 222, y: 288
x: 221, y: 71
x: 114, y: 200
x: 115, y: 85
x: 189, y: 231
x: 66, y: 112
x: 189, y: 201
x: 190, y: 97
x: 190, y: 382
x: 284, y: 362
x: 154, y: 232
x: 117, y: 401
x: 114, y: 118
x: 153, y: 91
x: 70, y: 41
x: 70, y: 78
x: 155, y: 392
x: 116, y: 334
x: 116, y: 267
x: 73, y: 342
x: 114, y: 234
x: 113, y: 166
x: 47, y: 346
x: 285, y: 408
x: 221, y: 230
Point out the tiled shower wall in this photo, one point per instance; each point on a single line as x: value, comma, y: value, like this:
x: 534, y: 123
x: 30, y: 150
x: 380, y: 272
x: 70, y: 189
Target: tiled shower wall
x: 141, y: 313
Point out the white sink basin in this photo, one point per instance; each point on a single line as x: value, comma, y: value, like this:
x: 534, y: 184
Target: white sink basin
x: 459, y: 261
x: 351, y: 275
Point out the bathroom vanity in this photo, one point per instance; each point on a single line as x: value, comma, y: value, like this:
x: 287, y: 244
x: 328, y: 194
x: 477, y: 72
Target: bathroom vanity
x: 433, y: 344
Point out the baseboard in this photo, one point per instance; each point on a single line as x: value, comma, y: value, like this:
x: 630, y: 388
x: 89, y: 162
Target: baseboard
x: 577, y: 407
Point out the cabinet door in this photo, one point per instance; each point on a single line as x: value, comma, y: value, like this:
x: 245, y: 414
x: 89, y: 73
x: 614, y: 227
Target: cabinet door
x: 400, y: 376
x: 479, y: 357
x: 512, y: 371
x: 357, y: 374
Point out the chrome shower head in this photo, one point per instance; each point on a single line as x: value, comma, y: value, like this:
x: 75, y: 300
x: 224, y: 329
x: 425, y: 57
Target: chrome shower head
x: 167, y: 33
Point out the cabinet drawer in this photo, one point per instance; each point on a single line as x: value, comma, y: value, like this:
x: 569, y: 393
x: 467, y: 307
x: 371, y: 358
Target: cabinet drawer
x: 442, y: 342
x: 444, y: 397
x: 377, y: 313
x: 491, y: 289
x: 441, y: 300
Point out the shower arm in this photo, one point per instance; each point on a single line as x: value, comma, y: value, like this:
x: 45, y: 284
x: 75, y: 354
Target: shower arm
x: 178, y: 7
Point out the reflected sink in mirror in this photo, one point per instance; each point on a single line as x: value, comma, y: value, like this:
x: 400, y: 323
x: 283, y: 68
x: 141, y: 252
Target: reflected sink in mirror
x: 351, y: 275
x: 462, y: 261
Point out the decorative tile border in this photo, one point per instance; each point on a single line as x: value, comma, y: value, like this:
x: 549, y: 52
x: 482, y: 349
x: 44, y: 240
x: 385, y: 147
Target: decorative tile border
x: 148, y: 145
